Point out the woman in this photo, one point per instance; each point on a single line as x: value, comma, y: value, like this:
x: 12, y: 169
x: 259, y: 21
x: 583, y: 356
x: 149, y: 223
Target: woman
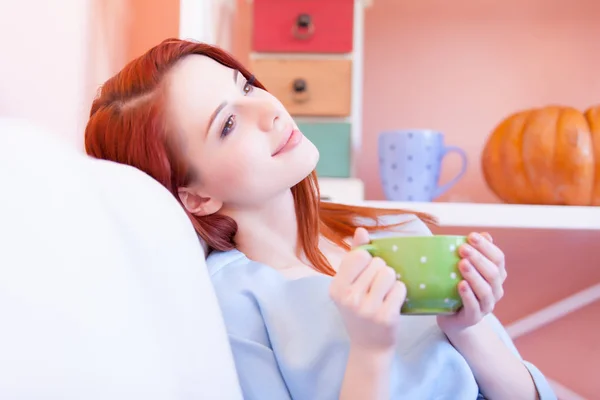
x: 306, y: 317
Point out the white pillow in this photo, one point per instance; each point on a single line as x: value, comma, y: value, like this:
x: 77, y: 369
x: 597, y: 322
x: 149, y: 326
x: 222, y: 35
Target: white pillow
x: 103, y: 288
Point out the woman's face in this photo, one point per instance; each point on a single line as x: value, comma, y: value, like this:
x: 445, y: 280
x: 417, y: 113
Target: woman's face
x: 241, y: 143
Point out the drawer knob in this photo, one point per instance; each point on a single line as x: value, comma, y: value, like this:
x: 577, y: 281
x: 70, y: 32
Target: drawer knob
x: 304, y: 27
x: 299, y: 85
x: 300, y: 90
x: 304, y: 21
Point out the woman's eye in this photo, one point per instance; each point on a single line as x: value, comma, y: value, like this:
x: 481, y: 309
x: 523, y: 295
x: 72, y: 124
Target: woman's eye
x: 248, y: 88
x: 228, y: 126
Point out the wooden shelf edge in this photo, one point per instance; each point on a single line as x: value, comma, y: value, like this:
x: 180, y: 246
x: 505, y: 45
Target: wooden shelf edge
x: 502, y: 215
x: 553, y: 312
x: 563, y: 392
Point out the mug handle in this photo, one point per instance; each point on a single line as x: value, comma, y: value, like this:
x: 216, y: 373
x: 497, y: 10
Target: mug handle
x: 371, y: 248
x: 463, y: 155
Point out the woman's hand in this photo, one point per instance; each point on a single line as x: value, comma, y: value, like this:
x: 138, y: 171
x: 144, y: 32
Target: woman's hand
x: 483, y: 270
x: 369, y: 298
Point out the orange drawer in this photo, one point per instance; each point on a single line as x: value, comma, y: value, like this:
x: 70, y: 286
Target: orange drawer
x: 315, y: 26
x: 308, y: 87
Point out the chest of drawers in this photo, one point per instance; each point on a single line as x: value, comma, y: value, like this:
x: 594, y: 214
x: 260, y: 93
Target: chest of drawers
x: 309, y: 54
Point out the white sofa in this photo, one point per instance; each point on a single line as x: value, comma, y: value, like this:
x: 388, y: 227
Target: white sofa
x: 103, y: 288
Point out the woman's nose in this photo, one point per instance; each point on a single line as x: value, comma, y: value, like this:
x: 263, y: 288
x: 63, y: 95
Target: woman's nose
x: 266, y: 113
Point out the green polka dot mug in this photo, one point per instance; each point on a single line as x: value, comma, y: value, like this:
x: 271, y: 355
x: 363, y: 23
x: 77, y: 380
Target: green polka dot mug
x: 428, y: 266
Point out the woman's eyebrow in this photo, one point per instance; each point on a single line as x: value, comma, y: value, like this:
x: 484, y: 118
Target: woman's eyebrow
x: 221, y: 106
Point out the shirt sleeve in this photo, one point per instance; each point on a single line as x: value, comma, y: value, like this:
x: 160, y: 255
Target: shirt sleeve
x: 257, y: 369
x: 542, y: 385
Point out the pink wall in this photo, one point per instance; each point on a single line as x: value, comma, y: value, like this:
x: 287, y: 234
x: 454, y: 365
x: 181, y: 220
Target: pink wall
x: 151, y: 22
x: 462, y: 68
x: 54, y: 59
x: 44, y: 60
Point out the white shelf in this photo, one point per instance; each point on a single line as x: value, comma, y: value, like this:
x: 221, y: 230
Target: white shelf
x: 503, y: 215
x: 342, y: 190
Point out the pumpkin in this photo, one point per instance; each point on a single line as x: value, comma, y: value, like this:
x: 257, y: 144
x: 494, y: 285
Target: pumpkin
x: 548, y: 155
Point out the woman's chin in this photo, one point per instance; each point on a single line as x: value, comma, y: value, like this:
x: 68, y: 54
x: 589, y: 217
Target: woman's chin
x: 303, y: 163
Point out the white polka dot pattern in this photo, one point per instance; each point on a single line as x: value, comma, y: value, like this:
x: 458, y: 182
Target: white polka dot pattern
x: 430, y: 274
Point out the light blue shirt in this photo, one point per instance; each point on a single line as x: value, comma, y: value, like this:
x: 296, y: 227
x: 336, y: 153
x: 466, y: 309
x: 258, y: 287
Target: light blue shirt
x: 289, y: 341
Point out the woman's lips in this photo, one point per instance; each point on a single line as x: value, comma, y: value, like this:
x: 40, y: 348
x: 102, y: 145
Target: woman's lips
x: 294, y: 138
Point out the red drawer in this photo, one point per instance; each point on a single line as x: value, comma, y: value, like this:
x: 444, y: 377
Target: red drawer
x: 315, y: 26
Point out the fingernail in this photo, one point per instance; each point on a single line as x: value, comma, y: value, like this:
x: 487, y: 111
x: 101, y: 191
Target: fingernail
x: 465, y: 250
x: 465, y: 266
x: 488, y: 236
x: 475, y: 237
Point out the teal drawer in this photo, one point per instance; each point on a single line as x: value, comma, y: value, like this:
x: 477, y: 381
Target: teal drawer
x: 333, y: 141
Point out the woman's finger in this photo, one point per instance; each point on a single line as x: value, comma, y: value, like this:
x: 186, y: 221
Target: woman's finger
x: 352, y: 265
x: 362, y: 284
x: 486, y: 268
x: 392, y: 303
x: 470, y: 305
x: 381, y: 284
x: 479, y: 286
x: 361, y: 236
x: 498, y: 257
x: 487, y: 248
x: 488, y: 236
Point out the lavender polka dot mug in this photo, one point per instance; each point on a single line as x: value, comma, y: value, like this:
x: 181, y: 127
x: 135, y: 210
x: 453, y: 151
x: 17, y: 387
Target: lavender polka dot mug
x: 410, y: 164
x: 428, y: 266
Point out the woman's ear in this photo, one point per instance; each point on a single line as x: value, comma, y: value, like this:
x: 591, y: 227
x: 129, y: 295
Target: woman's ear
x: 197, y: 204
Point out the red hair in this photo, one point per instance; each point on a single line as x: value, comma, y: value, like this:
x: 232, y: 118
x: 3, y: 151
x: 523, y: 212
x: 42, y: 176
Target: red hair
x: 127, y: 125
